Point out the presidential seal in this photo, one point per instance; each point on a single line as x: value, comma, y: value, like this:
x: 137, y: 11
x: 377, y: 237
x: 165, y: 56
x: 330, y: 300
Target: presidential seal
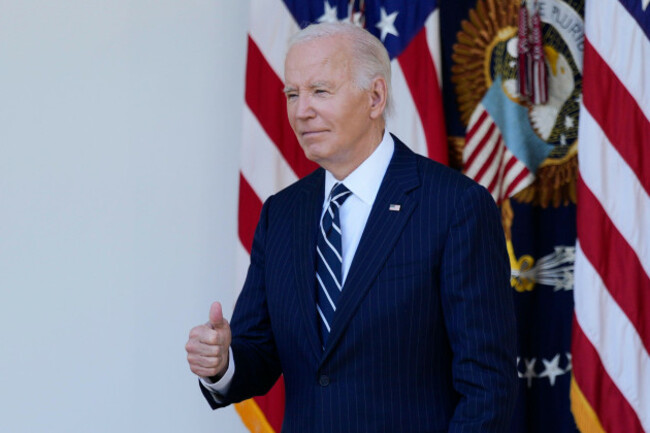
x: 520, y: 147
x: 504, y: 129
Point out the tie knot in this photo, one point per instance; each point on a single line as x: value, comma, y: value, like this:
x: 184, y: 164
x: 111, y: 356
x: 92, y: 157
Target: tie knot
x: 339, y: 194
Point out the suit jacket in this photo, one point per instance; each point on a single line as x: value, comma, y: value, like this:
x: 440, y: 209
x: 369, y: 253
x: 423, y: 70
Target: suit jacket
x: 423, y: 339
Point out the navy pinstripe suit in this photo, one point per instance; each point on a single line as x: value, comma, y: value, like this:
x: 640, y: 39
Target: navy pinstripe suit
x: 423, y: 339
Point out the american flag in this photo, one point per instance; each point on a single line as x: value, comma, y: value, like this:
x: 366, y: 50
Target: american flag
x: 611, y: 336
x: 271, y: 157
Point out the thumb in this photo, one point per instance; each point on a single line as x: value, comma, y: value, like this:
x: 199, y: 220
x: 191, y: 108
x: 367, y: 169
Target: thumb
x: 216, y: 315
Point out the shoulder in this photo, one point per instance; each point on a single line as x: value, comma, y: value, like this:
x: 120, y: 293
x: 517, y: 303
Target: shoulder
x: 437, y: 179
x: 304, y: 190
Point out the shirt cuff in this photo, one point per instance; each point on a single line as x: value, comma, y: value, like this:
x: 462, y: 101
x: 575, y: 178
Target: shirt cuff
x: 221, y: 386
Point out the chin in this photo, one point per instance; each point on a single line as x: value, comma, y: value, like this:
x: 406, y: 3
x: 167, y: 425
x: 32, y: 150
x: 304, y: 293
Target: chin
x: 314, y: 153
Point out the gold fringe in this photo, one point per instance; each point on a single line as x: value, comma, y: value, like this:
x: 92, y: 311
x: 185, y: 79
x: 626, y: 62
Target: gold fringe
x: 253, y: 417
x: 584, y: 415
x: 490, y: 22
x: 455, y: 146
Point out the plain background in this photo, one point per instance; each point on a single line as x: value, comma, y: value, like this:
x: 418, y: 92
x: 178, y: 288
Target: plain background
x: 119, y: 148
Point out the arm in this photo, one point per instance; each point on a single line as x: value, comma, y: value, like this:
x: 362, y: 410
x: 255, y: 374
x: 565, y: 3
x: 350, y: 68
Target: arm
x: 479, y: 315
x: 253, y: 346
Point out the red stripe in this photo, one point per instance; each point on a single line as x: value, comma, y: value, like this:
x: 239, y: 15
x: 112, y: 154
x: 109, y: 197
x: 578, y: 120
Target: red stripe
x: 488, y: 162
x: 272, y: 404
x: 422, y: 79
x: 517, y: 180
x: 476, y: 125
x: 614, y: 412
x: 511, y: 162
x: 615, y: 261
x: 479, y: 147
x: 265, y: 99
x: 250, y: 207
x: 617, y: 113
x: 498, y: 176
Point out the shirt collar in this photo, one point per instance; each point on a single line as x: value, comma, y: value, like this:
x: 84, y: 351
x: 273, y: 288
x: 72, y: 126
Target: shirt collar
x: 365, y: 180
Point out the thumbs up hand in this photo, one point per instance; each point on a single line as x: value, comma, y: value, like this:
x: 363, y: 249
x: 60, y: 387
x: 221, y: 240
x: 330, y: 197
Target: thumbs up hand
x: 208, y: 346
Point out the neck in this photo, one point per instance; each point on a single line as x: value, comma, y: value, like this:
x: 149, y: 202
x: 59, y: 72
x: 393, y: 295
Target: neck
x: 341, y: 169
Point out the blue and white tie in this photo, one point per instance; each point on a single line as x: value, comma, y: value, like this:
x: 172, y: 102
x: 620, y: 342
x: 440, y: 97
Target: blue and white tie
x: 329, y: 260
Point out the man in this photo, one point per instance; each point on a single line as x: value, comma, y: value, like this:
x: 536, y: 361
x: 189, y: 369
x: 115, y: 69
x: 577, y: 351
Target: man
x: 379, y: 284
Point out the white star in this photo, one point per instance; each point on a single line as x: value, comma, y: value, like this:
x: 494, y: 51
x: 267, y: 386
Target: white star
x: 568, y: 122
x: 645, y: 4
x: 552, y: 369
x: 329, y: 16
x: 387, y: 24
x: 530, y: 371
x: 562, y: 139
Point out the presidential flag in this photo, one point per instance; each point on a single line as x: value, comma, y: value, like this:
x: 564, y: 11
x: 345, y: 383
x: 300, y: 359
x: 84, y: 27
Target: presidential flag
x: 512, y: 83
x: 271, y: 157
x: 611, y: 337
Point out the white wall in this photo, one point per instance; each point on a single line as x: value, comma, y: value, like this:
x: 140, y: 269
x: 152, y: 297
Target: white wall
x: 119, y: 146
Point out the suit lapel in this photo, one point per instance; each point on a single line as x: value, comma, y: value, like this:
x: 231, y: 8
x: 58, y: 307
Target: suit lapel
x: 306, y: 215
x: 382, y: 231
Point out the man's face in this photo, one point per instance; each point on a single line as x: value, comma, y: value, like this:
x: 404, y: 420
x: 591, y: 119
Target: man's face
x: 330, y: 115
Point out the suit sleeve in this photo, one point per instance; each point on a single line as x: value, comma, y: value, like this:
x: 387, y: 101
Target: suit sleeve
x: 479, y: 315
x: 253, y: 346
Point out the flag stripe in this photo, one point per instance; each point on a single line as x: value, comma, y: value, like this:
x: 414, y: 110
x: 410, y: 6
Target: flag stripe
x: 614, y: 338
x: 272, y: 39
x: 621, y: 273
x: 613, y: 410
x: 490, y: 161
x: 250, y: 208
x: 432, y: 26
x: 490, y: 137
x: 262, y: 163
x: 626, y: 51
x: 612, y: 107
x: 405, y: 120
x: 422, y: 78
x: 264, y: 89
x: 521, y: 180
x: 612, y: 181
x: 496, y: 169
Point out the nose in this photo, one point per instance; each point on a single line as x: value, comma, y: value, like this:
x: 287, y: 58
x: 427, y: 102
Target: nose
x: 304, y: 108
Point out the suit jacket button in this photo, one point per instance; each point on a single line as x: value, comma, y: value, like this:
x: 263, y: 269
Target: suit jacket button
x: 324, y: 380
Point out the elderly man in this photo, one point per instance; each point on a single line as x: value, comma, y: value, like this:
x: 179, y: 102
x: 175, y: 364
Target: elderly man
x: 379, y: 284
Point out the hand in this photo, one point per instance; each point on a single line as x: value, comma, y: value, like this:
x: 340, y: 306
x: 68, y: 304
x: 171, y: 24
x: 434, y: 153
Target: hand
x: 209, y: 344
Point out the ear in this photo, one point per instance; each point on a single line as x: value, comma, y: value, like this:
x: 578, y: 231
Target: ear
x: 378, y: 94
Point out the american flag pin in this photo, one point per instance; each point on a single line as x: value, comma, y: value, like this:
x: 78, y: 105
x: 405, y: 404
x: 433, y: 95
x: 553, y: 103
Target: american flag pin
x: 394, y: 207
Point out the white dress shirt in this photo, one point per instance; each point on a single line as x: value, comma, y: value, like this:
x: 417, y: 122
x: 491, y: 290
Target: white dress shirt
x: 364, y: 183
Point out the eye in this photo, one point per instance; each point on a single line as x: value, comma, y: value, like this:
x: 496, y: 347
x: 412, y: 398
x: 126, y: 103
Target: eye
x: 291, y: 96
x: 321, y: 92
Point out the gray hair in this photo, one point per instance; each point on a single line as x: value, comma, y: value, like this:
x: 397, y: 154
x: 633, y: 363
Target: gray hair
x: 370, y: 58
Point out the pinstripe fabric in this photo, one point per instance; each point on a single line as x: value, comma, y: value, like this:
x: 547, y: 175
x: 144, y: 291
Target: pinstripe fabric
x: 423, y: 339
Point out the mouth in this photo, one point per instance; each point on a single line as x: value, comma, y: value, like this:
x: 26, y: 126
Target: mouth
x: 307, y: 134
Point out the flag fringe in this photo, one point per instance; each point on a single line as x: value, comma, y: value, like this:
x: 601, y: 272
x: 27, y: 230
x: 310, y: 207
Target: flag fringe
x: 253, y: 417
x: 584, y: 415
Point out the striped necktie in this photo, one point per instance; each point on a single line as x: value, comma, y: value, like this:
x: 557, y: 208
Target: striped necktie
x: 329, y: 260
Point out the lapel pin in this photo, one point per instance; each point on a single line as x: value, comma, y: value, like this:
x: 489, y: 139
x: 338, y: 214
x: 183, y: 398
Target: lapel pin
x: 394, y: 207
